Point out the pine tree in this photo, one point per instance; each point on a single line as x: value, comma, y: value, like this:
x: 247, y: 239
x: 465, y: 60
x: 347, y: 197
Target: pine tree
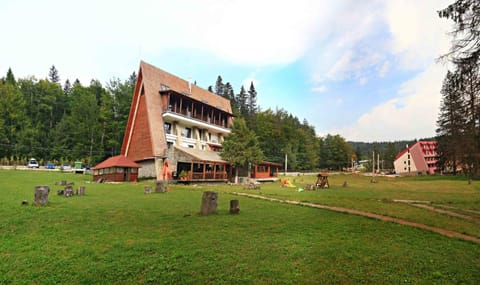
x: 242, y: 102
x: 252, y: 99
x: 219, y: 87
x: 451, y: 122
x: 10, y: 78
x: 210, y: 88
x: 53, y: 75
x: 67, y: 87
x: 465, y: 54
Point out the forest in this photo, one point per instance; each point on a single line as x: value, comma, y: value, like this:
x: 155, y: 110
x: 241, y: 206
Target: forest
x: 75, y: 122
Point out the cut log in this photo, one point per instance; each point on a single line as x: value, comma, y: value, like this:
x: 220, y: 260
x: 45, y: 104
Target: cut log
x: 68, y: 191
x: 81, y: 191
x: 160, y: 187
x: 147, y: 190
x: 41, y: 195
x: 209, y: 203
x: 234, y: 209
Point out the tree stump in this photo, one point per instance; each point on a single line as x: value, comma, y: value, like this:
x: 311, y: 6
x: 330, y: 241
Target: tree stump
x: 147, y: 190
x: 209, y: 203
x: 234, y: 209
x: 68, y: 191
x: 345, y: 184
x: 41, y: 195
x: 81, y: 191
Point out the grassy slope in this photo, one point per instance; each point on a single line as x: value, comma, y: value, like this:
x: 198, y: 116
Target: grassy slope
x: 116, y: 234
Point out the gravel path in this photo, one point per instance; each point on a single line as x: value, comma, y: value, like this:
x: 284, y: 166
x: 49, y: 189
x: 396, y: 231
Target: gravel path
x: 367, y: 214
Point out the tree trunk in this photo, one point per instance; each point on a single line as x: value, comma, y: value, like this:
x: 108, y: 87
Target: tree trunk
x: 41, y: 195
x: 234, y: 209
x: 209, y: 203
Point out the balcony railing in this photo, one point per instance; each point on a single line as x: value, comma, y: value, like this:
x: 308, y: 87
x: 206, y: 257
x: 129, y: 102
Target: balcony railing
x: 198, y: 117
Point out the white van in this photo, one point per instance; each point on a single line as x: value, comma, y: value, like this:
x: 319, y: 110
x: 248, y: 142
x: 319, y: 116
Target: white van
x: 32, y: 163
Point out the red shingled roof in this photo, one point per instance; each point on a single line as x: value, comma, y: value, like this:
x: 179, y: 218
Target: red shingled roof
x: 119, y: 160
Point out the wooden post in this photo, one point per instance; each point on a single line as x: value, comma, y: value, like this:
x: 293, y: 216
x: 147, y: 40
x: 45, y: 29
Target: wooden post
x: 209, y: 203
x: 41, y: 195
x: 81, y: 191
x: 204, y: 170
x: 234, y: 209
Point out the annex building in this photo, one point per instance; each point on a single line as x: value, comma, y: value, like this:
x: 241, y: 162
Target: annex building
x: 420, y: 158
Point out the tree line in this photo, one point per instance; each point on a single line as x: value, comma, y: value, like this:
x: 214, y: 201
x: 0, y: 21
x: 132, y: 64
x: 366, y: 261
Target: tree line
x: 459, y: 117
x: 51, y: 122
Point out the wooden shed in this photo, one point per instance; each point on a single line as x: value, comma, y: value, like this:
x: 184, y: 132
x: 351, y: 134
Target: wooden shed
x: 266, y: 170
x: 117, y: 168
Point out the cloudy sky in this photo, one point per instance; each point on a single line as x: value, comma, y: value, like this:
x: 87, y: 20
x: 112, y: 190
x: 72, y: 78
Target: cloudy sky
x: 363, y: 69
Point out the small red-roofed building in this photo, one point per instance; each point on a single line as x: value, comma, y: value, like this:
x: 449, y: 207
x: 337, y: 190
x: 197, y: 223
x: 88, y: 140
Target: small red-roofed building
x: 117, y: 169
x: 420, y: 158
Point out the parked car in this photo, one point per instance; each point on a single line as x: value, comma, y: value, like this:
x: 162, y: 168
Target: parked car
x: 50, y: 166
x: 67, y: 166
x: 33, y: 163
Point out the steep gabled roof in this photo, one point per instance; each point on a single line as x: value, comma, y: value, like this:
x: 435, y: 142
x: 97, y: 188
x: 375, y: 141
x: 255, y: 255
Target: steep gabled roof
x: 114, y: 161
x: 153, y: 77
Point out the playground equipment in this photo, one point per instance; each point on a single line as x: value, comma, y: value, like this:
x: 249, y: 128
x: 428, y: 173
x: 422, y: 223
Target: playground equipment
x: 287, y: 183
x: 322, y: 181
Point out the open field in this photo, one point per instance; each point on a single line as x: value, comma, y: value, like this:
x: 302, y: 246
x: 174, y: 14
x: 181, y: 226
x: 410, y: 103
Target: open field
x: 117, y: 234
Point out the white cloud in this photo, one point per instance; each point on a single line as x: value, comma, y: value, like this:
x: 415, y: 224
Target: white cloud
x: 418, y: 34
x: 319, y: 89
x: 108, y: 37
x: 411, y: 114
x: 384, y: 69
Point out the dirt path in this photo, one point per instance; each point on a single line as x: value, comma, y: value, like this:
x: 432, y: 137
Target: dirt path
x: 367, y: 214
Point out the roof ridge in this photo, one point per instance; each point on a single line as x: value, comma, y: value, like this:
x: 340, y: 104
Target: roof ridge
x: 142, y: 62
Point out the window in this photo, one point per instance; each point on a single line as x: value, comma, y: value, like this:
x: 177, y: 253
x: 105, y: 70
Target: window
x: 168, y: 128
x: 187, y: 132
x: 119, y: 169
x: 133, y: 170
x: 169, y: 145
x: 164, y: 87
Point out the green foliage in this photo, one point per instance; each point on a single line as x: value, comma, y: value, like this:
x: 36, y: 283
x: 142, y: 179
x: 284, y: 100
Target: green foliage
x: 43, y: 120
x: 335, y: 152
x: 241, y: 146
x: 461, y: 91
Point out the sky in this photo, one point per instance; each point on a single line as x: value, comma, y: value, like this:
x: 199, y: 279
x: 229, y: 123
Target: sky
x: 366, y: 70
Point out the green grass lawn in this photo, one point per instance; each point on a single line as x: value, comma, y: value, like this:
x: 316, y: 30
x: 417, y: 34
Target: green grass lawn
x: 117, y: 234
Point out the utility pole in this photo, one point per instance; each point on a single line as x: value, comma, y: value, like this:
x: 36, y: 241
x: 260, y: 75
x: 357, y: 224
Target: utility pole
x: 378, y: 163
x: 286, y: 162
x: 373, y: 164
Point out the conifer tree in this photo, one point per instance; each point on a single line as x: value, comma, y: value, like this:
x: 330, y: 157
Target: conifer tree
x: 220, y: 87
x: 242, y: 102
x: 451, y: 122
x: 10, y: 78
x: 252, y: 99
x: 53, y: 75
x: 67, y: 87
